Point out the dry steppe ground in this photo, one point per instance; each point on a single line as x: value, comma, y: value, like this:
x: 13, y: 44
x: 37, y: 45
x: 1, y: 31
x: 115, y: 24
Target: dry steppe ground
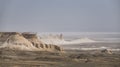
x: 69, y: 58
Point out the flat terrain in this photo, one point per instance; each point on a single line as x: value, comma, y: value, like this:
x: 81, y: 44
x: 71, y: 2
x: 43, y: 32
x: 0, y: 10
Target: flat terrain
x: 69, y: 58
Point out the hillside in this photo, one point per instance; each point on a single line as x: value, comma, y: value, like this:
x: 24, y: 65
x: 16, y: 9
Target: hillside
x: 25, y: 41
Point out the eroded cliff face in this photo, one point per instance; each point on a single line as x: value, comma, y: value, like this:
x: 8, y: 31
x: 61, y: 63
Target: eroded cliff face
x: 25, y: 41
x: 34, y: 39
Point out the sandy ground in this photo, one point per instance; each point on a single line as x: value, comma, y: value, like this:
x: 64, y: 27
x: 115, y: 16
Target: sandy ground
x: 69, y: 58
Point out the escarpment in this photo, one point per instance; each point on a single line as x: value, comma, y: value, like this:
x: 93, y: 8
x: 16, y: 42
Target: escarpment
x: 35, y: 40
x: 25, y: 41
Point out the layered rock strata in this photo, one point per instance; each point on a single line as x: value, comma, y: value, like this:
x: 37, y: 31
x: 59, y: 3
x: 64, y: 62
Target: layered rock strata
x: 25, y: 41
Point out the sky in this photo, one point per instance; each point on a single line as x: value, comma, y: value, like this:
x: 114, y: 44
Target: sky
x: 60, y: 15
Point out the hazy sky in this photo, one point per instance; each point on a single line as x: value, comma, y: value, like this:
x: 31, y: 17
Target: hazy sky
x: 60, y: 15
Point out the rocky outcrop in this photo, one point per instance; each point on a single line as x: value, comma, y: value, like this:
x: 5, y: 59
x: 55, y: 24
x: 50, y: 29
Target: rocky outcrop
x: 35, y: 40
x: 25, y: 41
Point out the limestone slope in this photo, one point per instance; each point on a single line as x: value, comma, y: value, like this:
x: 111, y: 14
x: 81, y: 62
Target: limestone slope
x: 25, y: 41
